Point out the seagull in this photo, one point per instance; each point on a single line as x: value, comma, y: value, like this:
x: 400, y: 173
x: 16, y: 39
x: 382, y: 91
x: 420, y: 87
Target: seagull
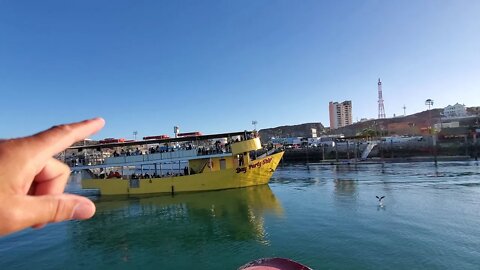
x: 380, y: 200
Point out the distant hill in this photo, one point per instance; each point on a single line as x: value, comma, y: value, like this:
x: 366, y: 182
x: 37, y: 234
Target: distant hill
x: 409, y: 124
x: 414, y: 124
x: 301, y: 130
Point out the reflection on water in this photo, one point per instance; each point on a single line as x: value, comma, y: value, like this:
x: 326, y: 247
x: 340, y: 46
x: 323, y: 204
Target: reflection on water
x: 164, y: 224
x: 187, y: 219
x: 132, y: 232
x: 345, y: 187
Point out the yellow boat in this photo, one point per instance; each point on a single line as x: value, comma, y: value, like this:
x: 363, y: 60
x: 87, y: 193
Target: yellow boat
x: 198, y: 167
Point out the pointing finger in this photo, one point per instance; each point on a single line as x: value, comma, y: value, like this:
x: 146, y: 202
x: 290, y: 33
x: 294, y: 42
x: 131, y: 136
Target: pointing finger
x: 56, y: 139
x: 35, y: 210
x: 51, y: 179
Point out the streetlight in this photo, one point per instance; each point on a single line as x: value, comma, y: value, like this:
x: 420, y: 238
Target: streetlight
x: 429, y: 103
x: 135, y: 133
x: 254, y: 123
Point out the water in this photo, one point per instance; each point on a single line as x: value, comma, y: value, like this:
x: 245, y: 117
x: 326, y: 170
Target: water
x: 323, y: 216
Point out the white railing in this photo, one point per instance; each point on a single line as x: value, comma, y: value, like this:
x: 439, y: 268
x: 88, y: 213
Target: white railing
x: 152, y: 157
x: 368, y: 149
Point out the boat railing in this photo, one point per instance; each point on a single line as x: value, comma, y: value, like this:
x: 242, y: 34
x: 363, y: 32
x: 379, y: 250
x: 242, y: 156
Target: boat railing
x: 93, y: 160
x: 83, y: 161
x: 152, y: 157
x: 206, y: 152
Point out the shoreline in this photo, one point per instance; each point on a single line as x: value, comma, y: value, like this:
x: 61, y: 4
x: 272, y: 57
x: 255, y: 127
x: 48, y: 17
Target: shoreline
x: 382, y: 161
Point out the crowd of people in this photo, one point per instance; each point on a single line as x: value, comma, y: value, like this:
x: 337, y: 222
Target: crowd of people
x: 151, y: 150
x: 155, y: 175
x: 95, y: 157
x: 116, y: 174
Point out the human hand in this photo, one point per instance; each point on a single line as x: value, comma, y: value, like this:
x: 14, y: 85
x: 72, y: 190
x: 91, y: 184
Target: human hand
x: 32, y: 182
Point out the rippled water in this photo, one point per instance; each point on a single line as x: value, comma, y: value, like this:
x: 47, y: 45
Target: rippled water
x: 321, y: 215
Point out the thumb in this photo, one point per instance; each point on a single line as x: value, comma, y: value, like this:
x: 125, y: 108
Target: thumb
x: 28, y: 211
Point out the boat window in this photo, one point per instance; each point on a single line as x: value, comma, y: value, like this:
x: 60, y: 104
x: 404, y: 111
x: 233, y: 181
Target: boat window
x: 223, y: 164
x: 134, y: 183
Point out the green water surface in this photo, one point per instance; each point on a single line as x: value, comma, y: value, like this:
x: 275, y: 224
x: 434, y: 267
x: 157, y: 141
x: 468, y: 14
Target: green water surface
x: 324, y: 216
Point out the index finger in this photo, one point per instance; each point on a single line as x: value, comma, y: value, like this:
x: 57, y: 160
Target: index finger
x: 56, y: 139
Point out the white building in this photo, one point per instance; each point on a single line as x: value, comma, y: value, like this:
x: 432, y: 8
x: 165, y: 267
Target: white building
x: 440, y: 126
x: 457, y: 110
x: 340, y: 114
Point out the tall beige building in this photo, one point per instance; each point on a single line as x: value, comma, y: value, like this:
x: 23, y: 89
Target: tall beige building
x: 340, y: 114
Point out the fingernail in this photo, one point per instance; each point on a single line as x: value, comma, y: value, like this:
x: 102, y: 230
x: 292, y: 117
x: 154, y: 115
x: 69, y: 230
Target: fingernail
x: 97, y: 119
x: 82, y: 211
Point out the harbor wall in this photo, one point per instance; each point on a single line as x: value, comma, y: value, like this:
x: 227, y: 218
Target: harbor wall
x: 407, y: 151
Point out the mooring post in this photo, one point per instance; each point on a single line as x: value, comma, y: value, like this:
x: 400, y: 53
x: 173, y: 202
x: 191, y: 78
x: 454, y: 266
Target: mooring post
x: 391, y: 148
x: 336, y: 151
x: 381, y: 151
x: 306, y: 153
x: 348, y: 151
x: 475, y: 147
x: 323, y: 152
x: 355, y: 150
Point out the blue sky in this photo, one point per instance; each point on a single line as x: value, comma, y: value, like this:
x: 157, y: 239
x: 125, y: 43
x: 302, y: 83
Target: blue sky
x: 214, y: 66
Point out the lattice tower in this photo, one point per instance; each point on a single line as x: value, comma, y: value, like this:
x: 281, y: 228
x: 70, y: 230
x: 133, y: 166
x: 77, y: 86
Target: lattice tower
x: 381, y: 108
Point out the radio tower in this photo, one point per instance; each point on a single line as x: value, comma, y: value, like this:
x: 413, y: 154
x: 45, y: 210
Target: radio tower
x: 381, y: 108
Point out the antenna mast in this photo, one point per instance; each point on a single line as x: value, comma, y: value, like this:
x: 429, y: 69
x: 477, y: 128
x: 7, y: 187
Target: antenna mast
x: 381, y: 108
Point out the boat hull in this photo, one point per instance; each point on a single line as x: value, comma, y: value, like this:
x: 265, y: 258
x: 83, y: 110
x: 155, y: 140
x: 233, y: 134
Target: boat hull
x: 257, y: 172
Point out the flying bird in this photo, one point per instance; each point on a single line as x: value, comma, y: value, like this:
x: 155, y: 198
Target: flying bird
x: 380, y: 200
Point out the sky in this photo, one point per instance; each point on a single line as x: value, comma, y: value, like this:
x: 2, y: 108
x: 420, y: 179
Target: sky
x: 214, y: 66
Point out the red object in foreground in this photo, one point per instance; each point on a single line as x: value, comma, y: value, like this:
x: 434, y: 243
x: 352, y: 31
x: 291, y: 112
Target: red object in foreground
x: 274, y: 264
